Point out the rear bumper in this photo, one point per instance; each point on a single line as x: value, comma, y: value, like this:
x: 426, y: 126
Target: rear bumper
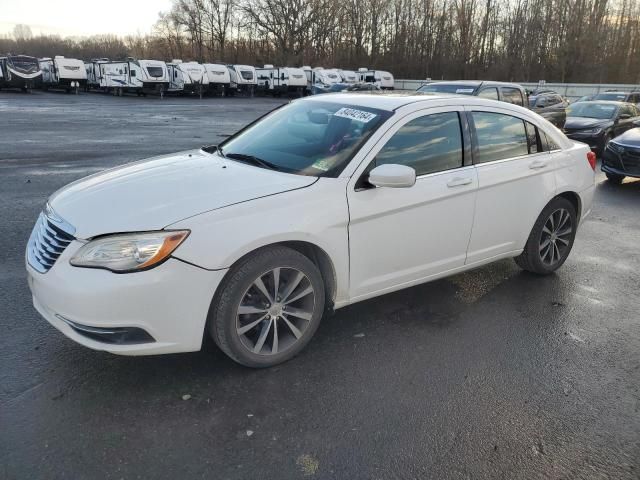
x: 162, y: 310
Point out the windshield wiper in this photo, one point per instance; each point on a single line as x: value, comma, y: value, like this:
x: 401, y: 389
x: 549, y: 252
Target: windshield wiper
x: 252, y: 160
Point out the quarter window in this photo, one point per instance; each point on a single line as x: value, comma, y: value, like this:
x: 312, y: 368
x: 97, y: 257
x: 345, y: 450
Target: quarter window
x: 512, y: 95
x: 428, y: 144
x: 499, y: 136
x: 532, y: 138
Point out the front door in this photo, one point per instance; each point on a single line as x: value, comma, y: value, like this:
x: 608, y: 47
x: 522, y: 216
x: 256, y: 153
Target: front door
x: 403, y: 236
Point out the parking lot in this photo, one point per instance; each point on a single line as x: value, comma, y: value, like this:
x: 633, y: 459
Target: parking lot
x: 494, y: 373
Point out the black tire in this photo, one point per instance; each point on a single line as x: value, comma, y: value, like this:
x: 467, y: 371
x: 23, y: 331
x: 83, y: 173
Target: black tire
x: 223, y: 320
x: 613, y: 178
x: 532, y: 258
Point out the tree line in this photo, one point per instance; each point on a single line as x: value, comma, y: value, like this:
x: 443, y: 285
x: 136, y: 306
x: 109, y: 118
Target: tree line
x: 585, y: 41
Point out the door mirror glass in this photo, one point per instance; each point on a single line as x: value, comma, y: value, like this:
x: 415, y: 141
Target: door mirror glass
x: 392, y: 175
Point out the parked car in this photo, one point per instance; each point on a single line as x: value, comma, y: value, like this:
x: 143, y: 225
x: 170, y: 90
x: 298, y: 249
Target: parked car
x: 538, y: 91
x: 322, y: 203
x: 629, y: 97
x: 551, y: 106
x: 621, y: 158
x: 597, y: 122
x: 506, y: 92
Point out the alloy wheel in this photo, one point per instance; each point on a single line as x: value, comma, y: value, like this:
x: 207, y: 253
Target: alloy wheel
x: 275, y: 311
x: 555, y: 238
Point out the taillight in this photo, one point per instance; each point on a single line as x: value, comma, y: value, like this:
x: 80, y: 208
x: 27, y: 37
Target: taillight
x: 591, y: 158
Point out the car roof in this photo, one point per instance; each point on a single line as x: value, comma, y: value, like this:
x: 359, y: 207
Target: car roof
x: 382, y: 100
x: 476, y: 83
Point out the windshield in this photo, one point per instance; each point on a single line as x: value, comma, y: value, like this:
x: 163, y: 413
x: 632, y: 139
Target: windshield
x: 448, y: 88
x: 246, y: 74
x: 24, y: 64
x: 155, y: 72
x: 618, y: 97
x: 307, y: 137
x: 591, y: 110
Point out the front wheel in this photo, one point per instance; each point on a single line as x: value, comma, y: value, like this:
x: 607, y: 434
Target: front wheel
x: 268, y: 307
x: 551, y: 238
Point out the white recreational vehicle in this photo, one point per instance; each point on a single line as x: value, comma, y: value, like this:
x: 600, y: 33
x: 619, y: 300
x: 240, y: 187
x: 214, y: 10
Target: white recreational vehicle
x: 136, y: 76
x: 20, y: 71
x: 328, y: 77
x: 176, y: 78
x: 279, y: 80
x: 348, y: 76
x: 377, y: 77
x: 218, y: 78
x: 195, y: 78
x: 93, y: 72
x: 63, y: 73
x: 243, y: 78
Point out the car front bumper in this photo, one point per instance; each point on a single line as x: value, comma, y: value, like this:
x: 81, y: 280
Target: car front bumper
x: 594, y: 141
x: 108, y: 311
x: 625, y: 161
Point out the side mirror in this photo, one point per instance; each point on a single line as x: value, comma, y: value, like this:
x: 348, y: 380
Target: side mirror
x: 636, y: 123
x: 625, y: 116
x: 392, y: 175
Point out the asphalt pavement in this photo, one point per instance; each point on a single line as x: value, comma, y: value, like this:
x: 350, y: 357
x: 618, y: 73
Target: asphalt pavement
x: 494, y: 373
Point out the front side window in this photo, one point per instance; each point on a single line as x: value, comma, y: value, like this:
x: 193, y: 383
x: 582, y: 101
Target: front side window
x: 499, y: 136
x: 428, y: 144
x: 512, y: 95
x: 491, y: 93
x: 307, y: 137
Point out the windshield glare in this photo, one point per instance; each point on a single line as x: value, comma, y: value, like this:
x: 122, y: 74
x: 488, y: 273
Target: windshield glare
x: 591, y: 110
x: 308, y: 137
x: 448, y: 88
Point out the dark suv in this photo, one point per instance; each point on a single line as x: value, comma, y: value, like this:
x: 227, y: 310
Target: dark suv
x: 551, y: 106
x: 506, y: 92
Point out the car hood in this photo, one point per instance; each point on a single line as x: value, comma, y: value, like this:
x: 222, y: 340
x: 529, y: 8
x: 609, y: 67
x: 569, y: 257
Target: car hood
x: 154, y: 193
x: 577, y: 123
x: 630, y: 137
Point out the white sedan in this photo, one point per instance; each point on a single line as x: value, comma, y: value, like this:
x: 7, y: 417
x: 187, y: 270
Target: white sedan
x: 324, y: 202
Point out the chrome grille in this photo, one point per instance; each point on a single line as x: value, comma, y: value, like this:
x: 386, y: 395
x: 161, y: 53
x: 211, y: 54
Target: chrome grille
x: 50, y: 236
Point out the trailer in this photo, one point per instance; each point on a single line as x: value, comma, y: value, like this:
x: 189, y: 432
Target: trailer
x: 93, y: 73
x: 281, y: 80
x: 242, y: 79
x: 176, y: 78
x: 218, y: 78
x: 149, y: 76
x: 348, y: 76
x: 67, y: 74
x: 20, y: 71
x: 377, y: 77
x: 196, y: 80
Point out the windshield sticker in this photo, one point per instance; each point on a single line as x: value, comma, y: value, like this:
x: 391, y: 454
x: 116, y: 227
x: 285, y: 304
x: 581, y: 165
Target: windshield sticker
x: 353, y: 114
x: 464, y: 90
x: 323, y: 164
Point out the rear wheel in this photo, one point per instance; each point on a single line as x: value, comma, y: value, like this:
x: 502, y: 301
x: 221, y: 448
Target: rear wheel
x: 551, y: 238
x: 614, y: 178
x: 268, y: 307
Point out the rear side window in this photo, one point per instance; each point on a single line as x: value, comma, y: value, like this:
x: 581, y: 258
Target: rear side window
x: 491, y: 93
x: 428, y: 144
x: 499, y: 136
x: 512, y: 95
x: 532, y: 138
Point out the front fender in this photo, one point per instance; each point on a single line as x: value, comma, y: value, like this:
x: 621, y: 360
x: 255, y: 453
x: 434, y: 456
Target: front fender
x: 317, y: 215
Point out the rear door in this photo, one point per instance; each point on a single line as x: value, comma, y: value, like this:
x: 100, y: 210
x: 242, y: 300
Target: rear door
x: 515, y: 181
x: 401, y: 236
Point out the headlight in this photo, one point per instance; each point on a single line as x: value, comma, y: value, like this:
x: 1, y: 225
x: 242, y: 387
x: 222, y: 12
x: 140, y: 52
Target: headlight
x: 594, y: 131
x: 129, y: 252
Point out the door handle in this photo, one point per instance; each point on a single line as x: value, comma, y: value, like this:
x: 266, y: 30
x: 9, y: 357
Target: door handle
x: 458, y: 182
x: 537, y: 164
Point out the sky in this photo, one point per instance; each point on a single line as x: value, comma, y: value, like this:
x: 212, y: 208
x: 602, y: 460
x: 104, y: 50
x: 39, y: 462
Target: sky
x: 81, y: 18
